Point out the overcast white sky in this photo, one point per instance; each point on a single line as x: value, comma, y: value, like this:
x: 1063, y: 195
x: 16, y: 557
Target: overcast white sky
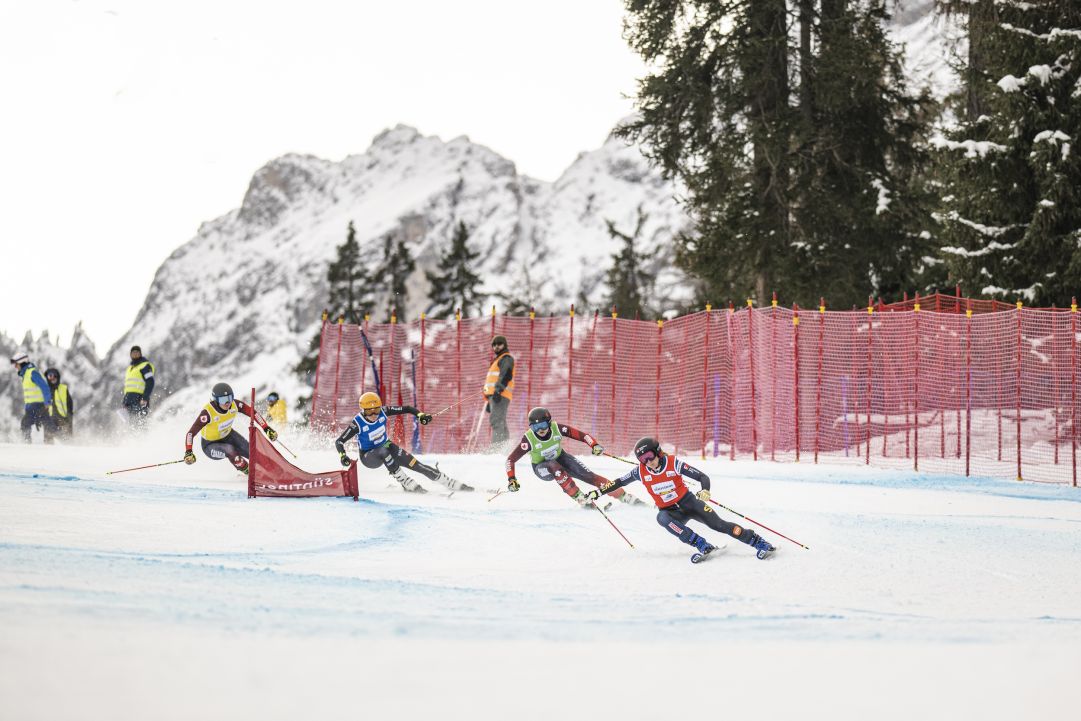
x: 125, y: 124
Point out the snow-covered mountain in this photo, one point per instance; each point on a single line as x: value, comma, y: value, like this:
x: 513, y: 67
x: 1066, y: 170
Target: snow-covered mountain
x: 241, y: 299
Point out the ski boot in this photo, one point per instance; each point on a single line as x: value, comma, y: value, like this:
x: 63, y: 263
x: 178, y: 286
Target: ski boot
x: 704, y: 549
x: 763, y: 548
x: 451, y: 483
x: 408, y: 484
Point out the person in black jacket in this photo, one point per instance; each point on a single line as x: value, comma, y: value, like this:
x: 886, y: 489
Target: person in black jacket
x: 63, y: 407
x: 138, y: 386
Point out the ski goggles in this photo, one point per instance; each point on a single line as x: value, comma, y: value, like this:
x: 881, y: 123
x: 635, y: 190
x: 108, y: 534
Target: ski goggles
x: 539, y: 426
x: 647, y: 457
x: 224, y: 400
x: 272, y: 398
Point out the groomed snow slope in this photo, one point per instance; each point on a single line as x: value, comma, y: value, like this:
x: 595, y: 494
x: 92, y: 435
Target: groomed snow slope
x: 167, y: 594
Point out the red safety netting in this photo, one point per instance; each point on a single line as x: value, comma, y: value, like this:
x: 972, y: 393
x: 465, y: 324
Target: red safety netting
x: 269, y: 474
x: 990, y: 394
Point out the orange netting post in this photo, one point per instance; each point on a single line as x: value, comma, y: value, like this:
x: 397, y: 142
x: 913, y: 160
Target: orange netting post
x: 1019, y: 475
x: 570, y: 368
x: 870, y: 373
x: 818, y: 380
x: 705, y: 381
x: 795, y: 371
x: 612, y: 409
x: 337, y: 367
x: 732, y: 384
x: 754, y: 400
x: 773, y: 378
x: 420, y: 379
x: 968, y: 390
x: 529, y: 385
x: 916, y: 392
x: 458, y: 367
x: 1073, y: 385
x: 657, y: 388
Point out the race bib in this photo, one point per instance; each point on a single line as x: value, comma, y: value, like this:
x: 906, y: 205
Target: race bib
x: 666, y: 490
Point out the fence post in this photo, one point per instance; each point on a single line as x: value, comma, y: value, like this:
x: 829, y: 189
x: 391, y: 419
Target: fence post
x: 657, y: 400
x: 1019, y: 475
x: 754, y: 403
x: 887, y: 375
x: 957, y: 310
x: 773, y: 378
x: 1054, y: 382
x: 529, y: 384
x: 916, y: 389
x: 1073, y: 385
x: 732, y: 377
x: 705, y: 381
x: 458, y: 368
x: 493, y: 322
x: 870, y: 370
x: 570, y: 369
x: 795, y: 371
x: 318, y: 360
x: 968, y: 389
x: 420, y: 382
x: 612, y: 409
x: 818, y: 382
x: 337, y: 372
x: 394, y: 359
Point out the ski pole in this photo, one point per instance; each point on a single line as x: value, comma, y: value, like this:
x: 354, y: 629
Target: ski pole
x: 759, y: 524
x: 498, y: 493
x: 619, y: 458
x: 453, y: 405
x: 294, y: 455
x: 612, y: 524
x: 139, y: 468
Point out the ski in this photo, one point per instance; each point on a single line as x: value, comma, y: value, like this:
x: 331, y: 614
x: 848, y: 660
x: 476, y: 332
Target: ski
x: 701, y: 556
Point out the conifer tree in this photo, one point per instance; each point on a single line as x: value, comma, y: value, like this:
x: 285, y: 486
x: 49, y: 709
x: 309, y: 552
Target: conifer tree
x: 1011, y: 219
x: 630, y: 279
x: 392, y: 277
x: 457, y: 285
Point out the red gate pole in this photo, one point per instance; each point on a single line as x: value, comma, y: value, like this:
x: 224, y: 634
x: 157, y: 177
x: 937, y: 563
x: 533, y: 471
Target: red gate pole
x: 818, y: 384
x: 773, y: 378
x: 732, y: 394
x: 957, y: 310
x: 393, y: 356
x: 705, y: 380
x: 795, y: 370
x: 887, y: 374
x: 870, y: 370
x: 908, y: 410
x: 493, y: 322
x: 750, y: 347
x: 1019, y: 476
x: 458, y: 367
x: 968, y: 389
x: 612, y: 410
x: 529, y: 383
x: 1054, y: 381
x: 570, y: 366
x: 916, y: 393
x: 657, y: 404
x: 318, y: 360
x: 1073, y: 385
x: 337, y: 372
x: 420, y: 381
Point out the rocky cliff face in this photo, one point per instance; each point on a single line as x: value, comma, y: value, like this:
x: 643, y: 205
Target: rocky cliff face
x: 240, y: 300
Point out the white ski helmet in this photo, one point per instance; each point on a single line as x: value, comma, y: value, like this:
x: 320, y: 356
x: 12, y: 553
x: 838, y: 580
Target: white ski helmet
x: 19, y: 358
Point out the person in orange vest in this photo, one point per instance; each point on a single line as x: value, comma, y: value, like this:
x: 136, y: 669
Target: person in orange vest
x: 498, y: 390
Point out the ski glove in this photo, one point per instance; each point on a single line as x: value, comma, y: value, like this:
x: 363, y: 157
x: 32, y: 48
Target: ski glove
x: 189, y: 457
x: 344, y: 459
x: 593, y: 495
x: 513, y: 484
x: 271, y: 433
x: 424, y: 418
x: 703, y: 495
x: 598, y: 449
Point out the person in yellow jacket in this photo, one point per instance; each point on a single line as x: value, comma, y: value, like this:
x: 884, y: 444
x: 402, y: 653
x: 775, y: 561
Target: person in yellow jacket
x: 63, y: 407
x: 498, y: 390
x: 138, y: 385
x: 215, y: 425
x: 275, y: 408
x: 37, y: 396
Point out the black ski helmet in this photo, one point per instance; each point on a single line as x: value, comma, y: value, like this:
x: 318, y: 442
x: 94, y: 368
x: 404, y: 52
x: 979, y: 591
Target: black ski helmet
x: 540, y: 414
x: 646, y: 445
x: 53, y: 372
x: 221, y: 390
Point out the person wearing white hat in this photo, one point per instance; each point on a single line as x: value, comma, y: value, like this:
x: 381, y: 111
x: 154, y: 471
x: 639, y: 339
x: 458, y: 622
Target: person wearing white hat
x: 37, y: 396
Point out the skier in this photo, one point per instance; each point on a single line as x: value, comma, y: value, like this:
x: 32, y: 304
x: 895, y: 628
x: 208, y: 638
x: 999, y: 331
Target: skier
x: 662, y: 475
x: 138, y: 385
x: 37, y: 396
x: 63, y: 406
x: 376, y: 449
x: 498, y: 390
x: 543, y: 441
x: 215, y: 424
x: 275, y: 407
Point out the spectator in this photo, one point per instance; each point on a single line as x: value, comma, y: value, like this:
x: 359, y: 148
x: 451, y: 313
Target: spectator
x: 37, y: 396
x: 275, y: 408
x: 138, y: 385
x: 63, y: 406
x: 498, y: 390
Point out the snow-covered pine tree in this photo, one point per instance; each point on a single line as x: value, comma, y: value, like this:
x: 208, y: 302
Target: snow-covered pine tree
x: 455, y: 284
x: 350, y: 294
x: 1011, y: 217
x: 631, y: 277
